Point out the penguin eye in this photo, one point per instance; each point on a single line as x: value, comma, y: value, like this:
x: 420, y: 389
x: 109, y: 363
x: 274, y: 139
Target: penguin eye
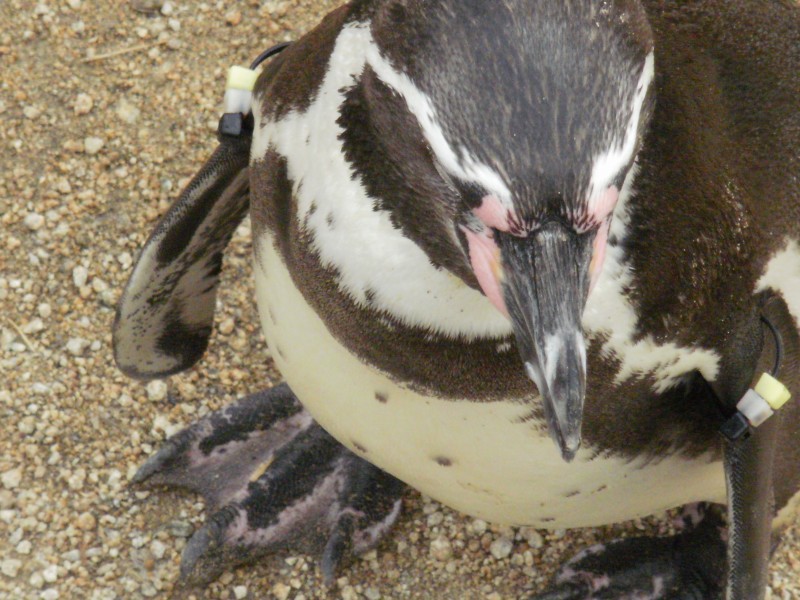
x: 471, y: 194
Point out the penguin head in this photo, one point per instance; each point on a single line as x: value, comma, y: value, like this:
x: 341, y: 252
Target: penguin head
x: 533, y: 113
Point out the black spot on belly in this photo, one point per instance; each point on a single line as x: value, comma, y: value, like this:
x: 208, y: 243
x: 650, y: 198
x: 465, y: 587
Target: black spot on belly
x: 601, y: 488
x: 547, y: 519
x: 381, y: 397
x: 443, y: 461
x: 312, y: 208
x: 571, y: 494
x: 280, y: 352
x: 331, y: 221
x: 359, y: 447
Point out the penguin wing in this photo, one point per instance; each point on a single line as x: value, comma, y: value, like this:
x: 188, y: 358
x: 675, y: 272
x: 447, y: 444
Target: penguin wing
x: 165, y: 316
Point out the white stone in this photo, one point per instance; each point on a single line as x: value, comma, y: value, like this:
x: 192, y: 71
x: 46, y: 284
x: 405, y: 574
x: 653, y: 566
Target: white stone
x: 479, y: 526
x: 33, y: 221
x: 33, y: 326
x: 50, y: 573
x: 63, y: 186
x: 92, y: 145
x: 83, y: 104
x: 281, y: 591
x: 24, y: 547
x: 44, y: 310
x: 441, y: 549
x: 157, y: 549
x: 157, y: 390
x: 80, y: 275
x: 12, y: 478
x: 76, y: 346
x: 533, y: 537
x: 31, y: 112
x: 501, y: 548
x: 240, y: 592
x: 127, y: 111
x: 10, y: 567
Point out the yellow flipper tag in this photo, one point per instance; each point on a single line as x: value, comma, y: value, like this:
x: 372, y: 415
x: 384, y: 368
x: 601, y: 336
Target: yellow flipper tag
x: 241, y: 78
x: 773, y: 391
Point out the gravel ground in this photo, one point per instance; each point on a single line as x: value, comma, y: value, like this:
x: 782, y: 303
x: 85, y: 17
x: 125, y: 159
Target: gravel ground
x: 106, y: 111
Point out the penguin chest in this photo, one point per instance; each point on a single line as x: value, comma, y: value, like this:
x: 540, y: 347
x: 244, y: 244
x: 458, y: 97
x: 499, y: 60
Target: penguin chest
x: 482, y: 458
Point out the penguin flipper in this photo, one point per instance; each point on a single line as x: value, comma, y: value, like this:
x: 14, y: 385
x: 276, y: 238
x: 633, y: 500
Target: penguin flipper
x: 689, y: 565
x: 165, y: 315
x: 272, y: 480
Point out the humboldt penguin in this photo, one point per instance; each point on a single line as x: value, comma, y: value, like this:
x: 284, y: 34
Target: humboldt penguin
x: 526, y: 257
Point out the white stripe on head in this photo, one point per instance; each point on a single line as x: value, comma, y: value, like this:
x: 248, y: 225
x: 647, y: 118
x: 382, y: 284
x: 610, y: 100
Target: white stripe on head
x: 372, y: 257
x: 608, y: 164
x: 462, y: 164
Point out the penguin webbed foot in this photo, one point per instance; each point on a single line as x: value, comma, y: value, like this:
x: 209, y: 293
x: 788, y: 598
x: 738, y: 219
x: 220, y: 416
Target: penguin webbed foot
x: 273, y: 480
x: 687, y: 566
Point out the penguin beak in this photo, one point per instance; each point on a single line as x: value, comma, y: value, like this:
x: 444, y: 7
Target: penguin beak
x: 545, y: 283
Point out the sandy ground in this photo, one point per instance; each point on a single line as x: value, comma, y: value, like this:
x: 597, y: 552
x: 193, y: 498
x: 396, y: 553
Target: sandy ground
x: 91, y: 153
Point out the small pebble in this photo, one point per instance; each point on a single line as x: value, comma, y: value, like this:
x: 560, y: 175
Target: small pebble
x: 441, y: 549
x: 31, y: 112
x: 92, y: 145
x: 281, y: 591
x: 76, y: 346
x: 226, y: 326
x: 10, y: 567
x: 501, y: 548
x: 233, y: 18
x: 11, y: 479
x: 533, y: 537
x: 240, y: 592
x: 36, y: 580
x: 127, y: 111
x: 80, y: 276
x: 50, y: 573
x: 158, y: 549
x: 86, y: 521
x: 156, y: 390
x: 180, y: 529
x: 33, y: 221
x: 83, y: 104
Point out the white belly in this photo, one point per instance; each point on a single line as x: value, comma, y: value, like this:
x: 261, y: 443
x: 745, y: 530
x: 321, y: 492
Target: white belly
x: 478, y: 458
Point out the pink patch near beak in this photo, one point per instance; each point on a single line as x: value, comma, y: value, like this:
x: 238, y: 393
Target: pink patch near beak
x: 484, y: 255
x: 598, y: 254
x: 492, y: 213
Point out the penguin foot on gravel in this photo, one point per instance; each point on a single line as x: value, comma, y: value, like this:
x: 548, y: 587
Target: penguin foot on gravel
x: 687, y: 566
x: 272, y: 479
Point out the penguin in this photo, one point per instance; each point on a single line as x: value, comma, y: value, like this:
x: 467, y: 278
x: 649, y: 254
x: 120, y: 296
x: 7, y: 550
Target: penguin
x: 527, y: 258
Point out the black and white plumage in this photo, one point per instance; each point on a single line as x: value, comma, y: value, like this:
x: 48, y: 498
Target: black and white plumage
x: 607, y: 189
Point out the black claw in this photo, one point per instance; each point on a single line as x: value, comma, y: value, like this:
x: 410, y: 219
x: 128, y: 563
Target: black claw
x: 339, y: 545
x: 156, y: 462
x: 203, y: 540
